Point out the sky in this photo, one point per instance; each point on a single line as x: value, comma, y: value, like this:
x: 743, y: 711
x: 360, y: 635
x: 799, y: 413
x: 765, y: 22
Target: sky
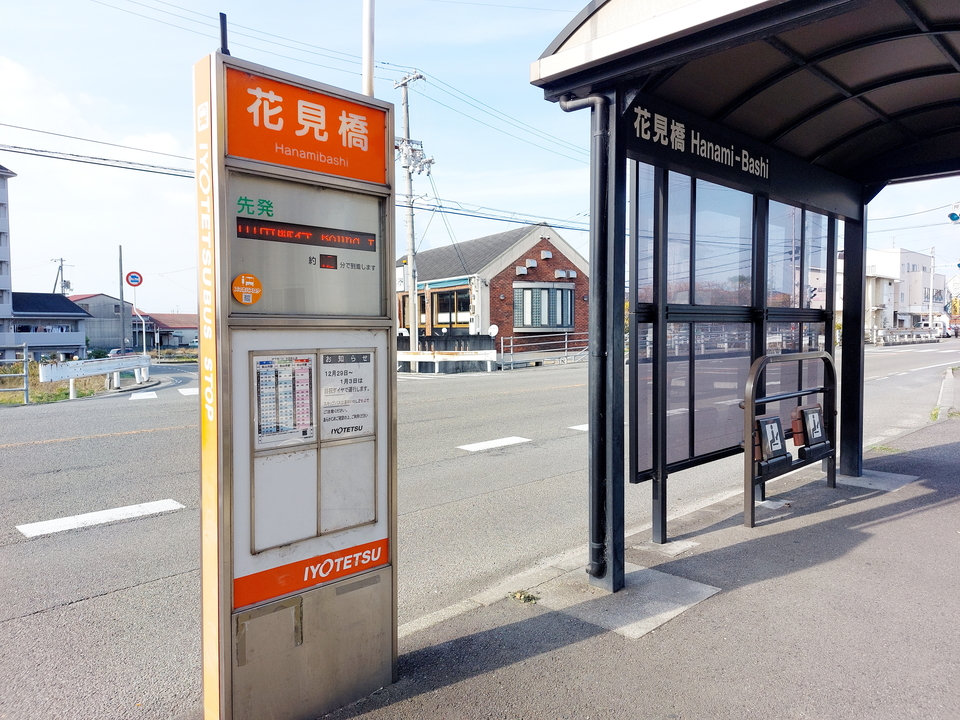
x: 112, y: 79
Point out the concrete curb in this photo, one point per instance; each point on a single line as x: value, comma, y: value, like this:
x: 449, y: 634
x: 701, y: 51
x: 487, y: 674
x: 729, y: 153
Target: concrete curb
x: 946, y: 399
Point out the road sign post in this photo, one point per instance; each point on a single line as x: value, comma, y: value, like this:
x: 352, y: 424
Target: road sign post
x: 297, y: 398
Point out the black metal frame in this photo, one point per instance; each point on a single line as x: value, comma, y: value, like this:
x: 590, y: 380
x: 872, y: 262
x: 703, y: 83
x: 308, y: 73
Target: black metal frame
x: 660, y: 314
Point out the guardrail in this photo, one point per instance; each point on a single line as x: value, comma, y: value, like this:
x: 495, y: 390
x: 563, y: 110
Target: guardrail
x: 557, y: 348
x: 439, y: 356
x: 764, y: 451
x: 25, y: 388
x: 906, y: 336
x: 140, y: 364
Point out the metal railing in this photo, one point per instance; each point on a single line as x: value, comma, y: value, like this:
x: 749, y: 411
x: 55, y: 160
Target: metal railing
x: 530, y: 349
x: 757, y: 473
x: 25, y: 374
x: 906, y: 336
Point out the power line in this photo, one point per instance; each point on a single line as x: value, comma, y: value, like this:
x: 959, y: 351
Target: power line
x: 98, y: 142
x: 354, y: 60
x: 502, y: 215
x: 471, y: 117
x: 921, y: 212
x: 107, y: 162
x: 508, y: 7
x: 479, y: 104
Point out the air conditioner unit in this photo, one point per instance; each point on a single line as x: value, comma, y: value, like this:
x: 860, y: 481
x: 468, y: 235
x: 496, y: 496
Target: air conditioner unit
x: 571, y: 273
x: 546, y: 254
x: 559, y: 273
x: 531, y: 263
x: 521, y: 270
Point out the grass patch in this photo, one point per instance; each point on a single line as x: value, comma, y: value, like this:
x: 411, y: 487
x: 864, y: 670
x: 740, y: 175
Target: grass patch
x: 523, y: 596
x: 935, y: 414
x: 42, y: 392
x: 884, y: 449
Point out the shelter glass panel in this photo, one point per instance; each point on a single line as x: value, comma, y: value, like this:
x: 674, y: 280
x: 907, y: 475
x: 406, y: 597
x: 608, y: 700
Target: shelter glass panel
x: 678, y: 239
x: 784, y: 237
x: 644, y: 393
x: 724, y: 245
x: 678, y: 392
x: 644, y: 225
x: 721, y: 361
x: 815, y: 261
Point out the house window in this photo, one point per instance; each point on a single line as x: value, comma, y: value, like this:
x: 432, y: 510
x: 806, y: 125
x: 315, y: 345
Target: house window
x: 543, y: 305
x: 4, y: 239
x: 451, y: 309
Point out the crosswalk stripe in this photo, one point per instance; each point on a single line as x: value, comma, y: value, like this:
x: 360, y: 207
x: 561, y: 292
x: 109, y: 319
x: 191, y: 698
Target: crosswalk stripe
x: 48, y: 527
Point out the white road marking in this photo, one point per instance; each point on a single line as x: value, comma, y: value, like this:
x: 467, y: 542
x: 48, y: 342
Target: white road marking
x: 48, y: 527
x: 493, y: 444
x: 147, y: 395
x: 189, y: 391
x: 585, y: 428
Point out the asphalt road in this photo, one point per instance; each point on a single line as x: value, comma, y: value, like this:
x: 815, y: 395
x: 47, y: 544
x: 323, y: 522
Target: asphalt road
x: 103, y: 622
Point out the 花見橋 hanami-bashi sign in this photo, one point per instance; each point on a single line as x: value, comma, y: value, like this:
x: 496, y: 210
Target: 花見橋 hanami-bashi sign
x: 654, y: 131
x: 672, y: 136
x: 284, y: 124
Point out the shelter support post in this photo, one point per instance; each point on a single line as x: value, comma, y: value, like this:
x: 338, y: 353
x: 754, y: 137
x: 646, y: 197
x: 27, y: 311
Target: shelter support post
x: 605, y: 382
x: 659, y: 454
x: 852, y: 357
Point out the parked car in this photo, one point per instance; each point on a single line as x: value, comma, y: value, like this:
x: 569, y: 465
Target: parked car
x: 940, y: 330
x: 117, y: 352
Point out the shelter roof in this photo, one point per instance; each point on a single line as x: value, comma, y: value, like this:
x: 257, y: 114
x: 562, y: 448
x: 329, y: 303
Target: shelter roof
x: 47, y: 304
x: 868, y: 89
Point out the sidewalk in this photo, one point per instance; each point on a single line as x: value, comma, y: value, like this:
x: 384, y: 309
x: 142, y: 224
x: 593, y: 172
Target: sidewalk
x: 841, y: 603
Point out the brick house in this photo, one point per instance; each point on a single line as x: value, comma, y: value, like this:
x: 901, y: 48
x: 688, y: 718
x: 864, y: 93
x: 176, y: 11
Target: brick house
x: 524, y: 281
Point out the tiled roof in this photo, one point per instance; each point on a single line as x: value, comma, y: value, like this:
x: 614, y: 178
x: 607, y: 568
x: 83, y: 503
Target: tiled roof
x: 467, y: 258
x: 174, y: 321
x: 25, y: 303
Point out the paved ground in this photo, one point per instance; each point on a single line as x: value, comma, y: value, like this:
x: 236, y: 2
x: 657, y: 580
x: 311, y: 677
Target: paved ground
x: 841, y: 603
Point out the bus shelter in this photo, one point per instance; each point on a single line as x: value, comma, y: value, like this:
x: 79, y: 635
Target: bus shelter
x: 735, y: 147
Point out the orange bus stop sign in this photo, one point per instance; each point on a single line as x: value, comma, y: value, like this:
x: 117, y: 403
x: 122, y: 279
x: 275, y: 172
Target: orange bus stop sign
x: 247, y: 289
x: 288, y: 125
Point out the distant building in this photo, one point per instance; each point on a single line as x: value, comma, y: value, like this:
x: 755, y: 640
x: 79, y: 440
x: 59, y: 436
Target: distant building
x: 103, y: 329
x: 6, y: 282
x: 524, y: 281
x: 46, y: 323
x: 914, y: 280
x: 167, y: 330
x: 899, y: 285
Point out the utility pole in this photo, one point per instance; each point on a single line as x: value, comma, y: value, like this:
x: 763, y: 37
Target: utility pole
x: 411, y: 160
x: 123, y: 311
x: 61, y: 279
x: 368, y: 28
x: 933, y: 266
